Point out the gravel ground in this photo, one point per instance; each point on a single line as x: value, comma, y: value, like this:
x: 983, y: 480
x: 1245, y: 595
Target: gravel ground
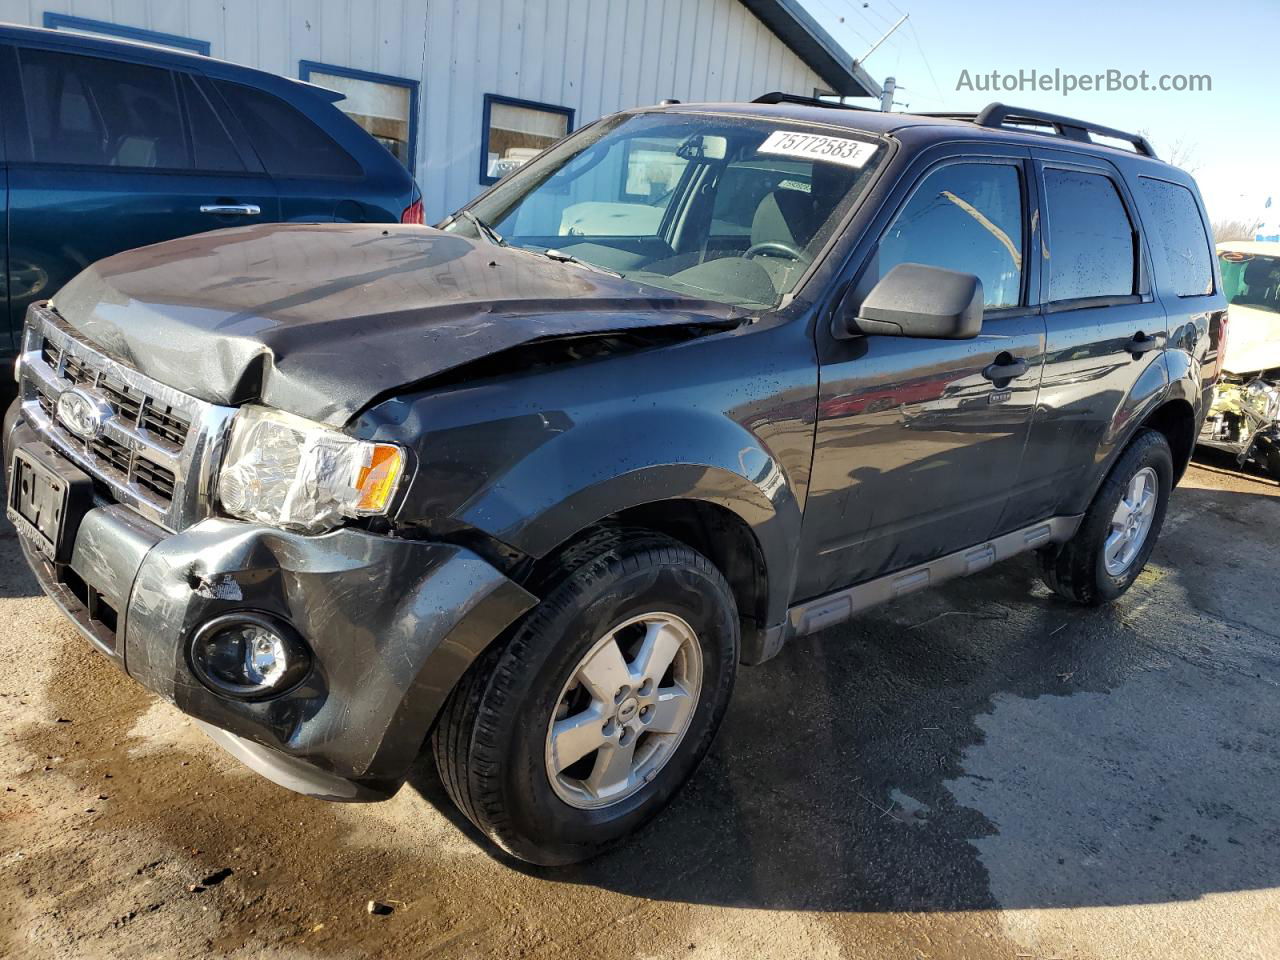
x: 978, y: 771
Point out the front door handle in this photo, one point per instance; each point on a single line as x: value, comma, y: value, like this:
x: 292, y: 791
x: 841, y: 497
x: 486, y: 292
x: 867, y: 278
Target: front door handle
x: 231, y: 209
x: 1141, y: 344
x: 1004, y: 369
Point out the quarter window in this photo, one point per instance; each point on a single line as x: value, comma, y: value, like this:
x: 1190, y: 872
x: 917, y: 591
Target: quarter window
x: 89, y: 110
x: 966, y: 217
x: 287, y: 142
x: 1172, y: 218
x: 1091, y: 241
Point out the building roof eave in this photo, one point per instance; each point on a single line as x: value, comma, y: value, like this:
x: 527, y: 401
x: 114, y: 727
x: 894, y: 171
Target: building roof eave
x: 794, y: 26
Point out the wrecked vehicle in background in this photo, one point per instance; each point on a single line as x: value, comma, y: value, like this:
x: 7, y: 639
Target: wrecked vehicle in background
x: 343, y: 493
x: 1245, y: 417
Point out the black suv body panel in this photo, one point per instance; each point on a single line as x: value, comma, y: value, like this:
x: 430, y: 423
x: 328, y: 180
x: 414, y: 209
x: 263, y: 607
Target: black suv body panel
x: 538, y: 400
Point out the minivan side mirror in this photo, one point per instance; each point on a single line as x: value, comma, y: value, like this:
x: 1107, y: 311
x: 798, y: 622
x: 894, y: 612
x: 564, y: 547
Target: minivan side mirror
x: 914, y: 300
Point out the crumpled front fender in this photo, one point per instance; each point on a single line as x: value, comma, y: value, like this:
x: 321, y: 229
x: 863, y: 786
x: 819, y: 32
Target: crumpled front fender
x: 392, y: 624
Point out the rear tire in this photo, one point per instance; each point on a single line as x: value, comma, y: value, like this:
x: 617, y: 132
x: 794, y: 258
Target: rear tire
x: 615, y: 607
x: 1109, y: 550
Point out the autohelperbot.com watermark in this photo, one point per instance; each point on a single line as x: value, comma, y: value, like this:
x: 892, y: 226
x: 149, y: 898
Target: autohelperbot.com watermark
x: 1065, y: 82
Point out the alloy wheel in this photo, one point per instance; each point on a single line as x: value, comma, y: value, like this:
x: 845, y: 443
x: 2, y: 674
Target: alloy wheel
x: 1131, y: 522
x: 624, y: 710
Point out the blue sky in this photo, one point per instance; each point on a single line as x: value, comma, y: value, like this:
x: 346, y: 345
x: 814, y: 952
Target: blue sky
x: 1232, y: 133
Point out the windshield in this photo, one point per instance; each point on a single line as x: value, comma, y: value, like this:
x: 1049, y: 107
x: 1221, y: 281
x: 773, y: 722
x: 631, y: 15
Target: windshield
x: 1251, y: 280
x: 720, y: 208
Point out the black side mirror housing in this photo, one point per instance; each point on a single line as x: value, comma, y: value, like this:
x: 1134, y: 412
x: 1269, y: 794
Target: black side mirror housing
x: 915, y: 300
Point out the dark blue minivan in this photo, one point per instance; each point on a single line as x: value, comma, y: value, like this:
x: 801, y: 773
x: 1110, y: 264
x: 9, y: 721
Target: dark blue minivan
x: 107, y: 145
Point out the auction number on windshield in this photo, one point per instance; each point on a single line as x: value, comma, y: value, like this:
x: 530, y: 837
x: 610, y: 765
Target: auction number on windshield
x: 850, y: 153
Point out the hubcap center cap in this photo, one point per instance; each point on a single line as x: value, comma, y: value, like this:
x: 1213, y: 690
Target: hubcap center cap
x: 628, y: 709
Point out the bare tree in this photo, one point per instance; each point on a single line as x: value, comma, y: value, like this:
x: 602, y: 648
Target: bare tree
x: 1224, y: 230
x: 1180, y: 153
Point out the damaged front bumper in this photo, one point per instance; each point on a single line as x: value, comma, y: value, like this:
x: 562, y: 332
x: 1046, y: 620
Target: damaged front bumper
x: 1245, y: 417
x: 391, y: 624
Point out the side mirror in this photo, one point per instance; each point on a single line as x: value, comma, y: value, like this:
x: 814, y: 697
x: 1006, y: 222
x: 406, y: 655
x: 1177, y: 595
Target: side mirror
x: 914, y: 300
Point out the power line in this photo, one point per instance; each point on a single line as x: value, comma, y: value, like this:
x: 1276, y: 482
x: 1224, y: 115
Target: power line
x: 888, y: 20
x: 842, y: 20
x: 877, y: 29
x: 919, y: 46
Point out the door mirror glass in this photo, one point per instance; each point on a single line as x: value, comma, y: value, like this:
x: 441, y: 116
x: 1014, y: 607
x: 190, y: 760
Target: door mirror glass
x: 915, y: 300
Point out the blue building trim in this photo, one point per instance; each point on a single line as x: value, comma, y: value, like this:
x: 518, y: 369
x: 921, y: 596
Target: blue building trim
x: 305, y: 68
x: 64, y: 21
x: 489, y: 100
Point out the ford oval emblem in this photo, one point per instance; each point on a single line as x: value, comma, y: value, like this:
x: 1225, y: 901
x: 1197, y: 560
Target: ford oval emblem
x: 82, y: 413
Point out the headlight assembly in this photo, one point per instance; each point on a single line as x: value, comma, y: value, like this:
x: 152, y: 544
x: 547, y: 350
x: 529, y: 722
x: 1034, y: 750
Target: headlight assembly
x: 290, y: 472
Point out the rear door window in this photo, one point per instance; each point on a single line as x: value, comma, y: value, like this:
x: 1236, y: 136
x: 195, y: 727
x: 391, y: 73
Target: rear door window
x: 966, y: 217
x: 90, y: 110
x: 1172, y: 218
x: 213, y: 146
x: 1092, y: 245
x: 288, y: 143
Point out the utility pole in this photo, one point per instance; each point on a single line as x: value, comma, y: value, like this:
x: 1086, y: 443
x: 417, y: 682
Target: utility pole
x: 886, y: 95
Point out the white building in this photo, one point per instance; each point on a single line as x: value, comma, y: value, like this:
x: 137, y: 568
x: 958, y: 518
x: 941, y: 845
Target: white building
x: 463, y: 89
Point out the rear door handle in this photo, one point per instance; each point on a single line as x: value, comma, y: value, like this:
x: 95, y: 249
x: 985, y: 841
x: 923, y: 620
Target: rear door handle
x: 1141, y: 343
x: 1004, y: 369
x: 231, y: 209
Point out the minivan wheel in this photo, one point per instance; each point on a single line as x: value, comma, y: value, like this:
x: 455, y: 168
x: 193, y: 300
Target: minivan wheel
x: 1119, y: 529
x: 585, y: 721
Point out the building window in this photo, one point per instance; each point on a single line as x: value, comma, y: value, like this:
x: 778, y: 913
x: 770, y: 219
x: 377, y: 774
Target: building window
x: 100, y: 28
x: 386, y: 107
x: 516, y: 131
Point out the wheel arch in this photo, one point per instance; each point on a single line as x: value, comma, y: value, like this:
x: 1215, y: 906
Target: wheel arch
x: 718, y: 533
x: 1176, y: 420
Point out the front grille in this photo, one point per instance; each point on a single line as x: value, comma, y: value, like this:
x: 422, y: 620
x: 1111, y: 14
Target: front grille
x: 154, y: 451
x: 130, y: 404
x: 155, y: 478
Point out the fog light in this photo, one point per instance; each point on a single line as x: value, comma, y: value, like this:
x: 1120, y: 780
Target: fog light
x: 248, y: 656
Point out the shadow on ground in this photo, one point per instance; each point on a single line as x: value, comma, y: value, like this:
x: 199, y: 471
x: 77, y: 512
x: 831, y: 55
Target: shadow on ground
x: 988, y: 745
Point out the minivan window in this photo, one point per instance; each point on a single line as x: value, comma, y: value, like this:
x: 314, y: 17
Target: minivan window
x: 966, y: 217
x: 287, y: 143
x: 1172, y: 218
x: 89, y: 110
x: 214, y: 149
x: 1090, y: 237
x: 1249, y: 280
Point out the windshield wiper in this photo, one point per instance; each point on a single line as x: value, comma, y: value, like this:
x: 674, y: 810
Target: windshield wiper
x: 561, y: 257
x: 486, y: 231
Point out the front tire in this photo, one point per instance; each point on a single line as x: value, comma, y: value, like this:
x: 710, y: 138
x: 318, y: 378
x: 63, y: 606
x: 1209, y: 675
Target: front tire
x: 582, y: 724
x: 1120, y: 528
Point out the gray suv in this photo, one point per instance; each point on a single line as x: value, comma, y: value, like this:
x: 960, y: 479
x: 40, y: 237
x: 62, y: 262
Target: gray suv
x: 526, y: 489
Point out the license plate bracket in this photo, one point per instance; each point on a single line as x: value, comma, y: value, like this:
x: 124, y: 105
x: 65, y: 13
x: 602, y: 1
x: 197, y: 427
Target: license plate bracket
x: 48, y: 497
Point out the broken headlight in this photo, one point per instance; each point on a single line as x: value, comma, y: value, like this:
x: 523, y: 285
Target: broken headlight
x: 290, y: 472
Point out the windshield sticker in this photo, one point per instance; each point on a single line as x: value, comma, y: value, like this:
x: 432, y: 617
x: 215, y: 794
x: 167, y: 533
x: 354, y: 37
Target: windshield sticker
x: 849, y: 153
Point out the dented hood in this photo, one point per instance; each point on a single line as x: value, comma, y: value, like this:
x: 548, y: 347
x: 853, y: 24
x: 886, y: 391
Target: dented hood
x: 320, y: 319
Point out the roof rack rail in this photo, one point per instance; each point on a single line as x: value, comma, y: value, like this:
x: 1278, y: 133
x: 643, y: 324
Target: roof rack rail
x: 777, y: 96
x: 997, y: 115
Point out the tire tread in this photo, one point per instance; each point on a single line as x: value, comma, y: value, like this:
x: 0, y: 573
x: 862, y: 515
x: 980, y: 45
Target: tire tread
x: 464, y: 741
